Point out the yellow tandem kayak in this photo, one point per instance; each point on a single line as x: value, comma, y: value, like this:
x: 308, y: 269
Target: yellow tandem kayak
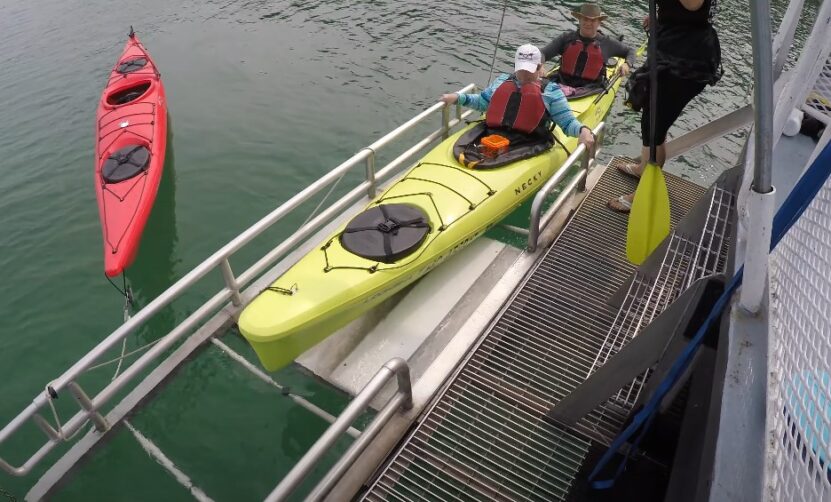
x: 331, y: 285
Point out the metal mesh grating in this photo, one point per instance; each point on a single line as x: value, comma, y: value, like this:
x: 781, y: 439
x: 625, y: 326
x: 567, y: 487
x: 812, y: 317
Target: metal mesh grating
x: 685, y: 261
x: 485, y: 438
x: 799, y: 397
x: 820, y: 98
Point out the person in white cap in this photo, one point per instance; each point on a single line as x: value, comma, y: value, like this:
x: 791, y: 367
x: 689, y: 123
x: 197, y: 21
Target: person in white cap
x: 523, y: 103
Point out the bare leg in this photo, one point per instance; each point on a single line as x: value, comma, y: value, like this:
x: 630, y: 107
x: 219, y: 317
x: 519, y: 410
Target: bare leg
x: 636, y: 170
x: 644, y: 158
x: 660, y: 156
x: 624, y: 203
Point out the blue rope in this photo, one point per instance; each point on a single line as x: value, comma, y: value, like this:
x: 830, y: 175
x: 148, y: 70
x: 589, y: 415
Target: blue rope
x: 798, y: 200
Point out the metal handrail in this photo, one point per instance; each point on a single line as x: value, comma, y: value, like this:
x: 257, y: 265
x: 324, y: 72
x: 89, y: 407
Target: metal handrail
x: 402, y: 400
x: 231, y: 291
x: 586, y: 161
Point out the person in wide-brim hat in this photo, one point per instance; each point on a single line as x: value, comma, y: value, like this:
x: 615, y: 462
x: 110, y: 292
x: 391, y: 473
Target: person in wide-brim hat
x: 590, y: 11
x: 585, y: 51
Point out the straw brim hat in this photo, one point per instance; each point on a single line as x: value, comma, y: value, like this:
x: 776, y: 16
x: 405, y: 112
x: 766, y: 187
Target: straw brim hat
x: 589, y: 10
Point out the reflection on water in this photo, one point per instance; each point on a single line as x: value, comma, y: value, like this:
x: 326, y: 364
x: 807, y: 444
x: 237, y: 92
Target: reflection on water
x: 153, y: 271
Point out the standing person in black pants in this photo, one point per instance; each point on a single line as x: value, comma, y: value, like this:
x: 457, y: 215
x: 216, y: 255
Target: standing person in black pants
x: 689, y: 58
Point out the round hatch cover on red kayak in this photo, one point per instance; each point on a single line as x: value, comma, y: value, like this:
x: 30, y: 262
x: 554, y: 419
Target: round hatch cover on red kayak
x: 386, y: 233
x: 125, y: 163
x: 131, y: 65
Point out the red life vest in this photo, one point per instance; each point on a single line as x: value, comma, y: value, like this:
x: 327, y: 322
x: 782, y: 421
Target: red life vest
x: 517, y: 107
x: 580, y: 60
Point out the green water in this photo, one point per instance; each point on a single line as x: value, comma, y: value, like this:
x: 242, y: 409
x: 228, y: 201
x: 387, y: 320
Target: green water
x: 263, y: 97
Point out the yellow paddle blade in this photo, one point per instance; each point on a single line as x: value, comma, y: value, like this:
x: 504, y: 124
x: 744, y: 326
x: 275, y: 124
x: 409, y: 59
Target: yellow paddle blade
x: 649, y: 217
x: 642, y: 49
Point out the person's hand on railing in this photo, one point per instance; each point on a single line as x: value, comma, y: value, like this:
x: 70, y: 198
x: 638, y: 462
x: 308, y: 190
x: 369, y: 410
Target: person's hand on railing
x: 450, y: 98
x: 587, y: 138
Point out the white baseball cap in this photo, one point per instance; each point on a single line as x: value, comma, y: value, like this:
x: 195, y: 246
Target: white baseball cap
x: 528, y: 57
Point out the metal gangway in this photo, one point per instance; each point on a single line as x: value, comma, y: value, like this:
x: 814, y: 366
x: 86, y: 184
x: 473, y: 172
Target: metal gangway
x: 484, y: 434
x: 486, y: 437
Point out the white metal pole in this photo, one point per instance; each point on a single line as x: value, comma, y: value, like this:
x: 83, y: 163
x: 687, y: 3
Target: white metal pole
x: 762, y: 198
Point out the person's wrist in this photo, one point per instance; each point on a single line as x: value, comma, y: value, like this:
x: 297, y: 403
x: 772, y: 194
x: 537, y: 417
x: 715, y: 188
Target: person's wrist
x: 588, y: 129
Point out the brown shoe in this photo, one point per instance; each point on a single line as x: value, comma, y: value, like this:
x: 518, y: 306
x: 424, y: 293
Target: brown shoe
x: 629, y: 169
x: 620, y: 204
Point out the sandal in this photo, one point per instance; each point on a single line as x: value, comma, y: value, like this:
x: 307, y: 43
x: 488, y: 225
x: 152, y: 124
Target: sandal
x: 620, y: 204
x: 629, y: 169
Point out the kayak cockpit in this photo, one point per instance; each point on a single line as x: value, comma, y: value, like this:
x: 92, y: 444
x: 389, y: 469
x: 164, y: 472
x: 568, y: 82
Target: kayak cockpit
x: 129, y: 94
x: 468, y: 149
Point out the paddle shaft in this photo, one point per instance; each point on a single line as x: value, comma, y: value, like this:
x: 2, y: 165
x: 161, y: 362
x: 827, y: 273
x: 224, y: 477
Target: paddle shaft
x: 653, y: 80
x: 608, y: 86
x: 639, y: 53
x: 642, y: 48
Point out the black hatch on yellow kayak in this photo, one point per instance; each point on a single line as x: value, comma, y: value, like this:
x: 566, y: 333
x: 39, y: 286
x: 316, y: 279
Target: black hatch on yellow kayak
x: 386, y: 233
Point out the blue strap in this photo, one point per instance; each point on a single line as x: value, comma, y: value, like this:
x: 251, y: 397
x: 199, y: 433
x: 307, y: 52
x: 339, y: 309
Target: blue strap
x: 798, y: 200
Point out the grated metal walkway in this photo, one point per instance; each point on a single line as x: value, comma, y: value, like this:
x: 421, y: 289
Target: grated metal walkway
x: 485, y: 437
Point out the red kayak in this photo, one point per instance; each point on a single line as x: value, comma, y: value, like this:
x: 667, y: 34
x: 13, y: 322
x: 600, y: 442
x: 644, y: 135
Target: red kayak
x: 129, y: 152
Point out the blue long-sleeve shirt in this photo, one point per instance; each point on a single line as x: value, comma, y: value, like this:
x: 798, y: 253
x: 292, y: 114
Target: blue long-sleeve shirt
x: 555, y: 101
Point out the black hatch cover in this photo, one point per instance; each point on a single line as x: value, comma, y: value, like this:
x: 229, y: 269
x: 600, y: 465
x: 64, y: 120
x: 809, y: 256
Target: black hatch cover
x: 386, y: 233
x: 125, y: 163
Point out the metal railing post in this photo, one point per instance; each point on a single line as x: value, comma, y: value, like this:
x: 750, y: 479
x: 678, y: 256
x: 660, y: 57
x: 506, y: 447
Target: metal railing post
x: 85, y: 402
x: 761, y: 201
x: 231, y: 282
x: 762, y: 94
x: 445, y: 121
x: 403, y: 399
x: 402, y: 371
x: 370, y: 173
x: 584, y: 165
x: 46, y: 427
